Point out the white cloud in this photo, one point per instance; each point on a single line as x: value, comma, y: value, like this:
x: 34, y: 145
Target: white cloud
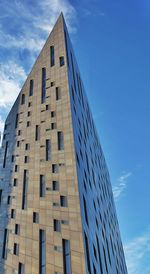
x: 12, y: 77
x: 137, y: 253
x: 121, y: 185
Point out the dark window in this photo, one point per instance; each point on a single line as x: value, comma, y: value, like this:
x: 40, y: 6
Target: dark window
x: 42, y: 252
x: 19, y: 132
x: 53, y: 114
x: 17, y: 229
x: 52, y: 56
x: 16, y: 249
x: 63, y: 201
x: 16, y: 122
x: 28, y: 123
x: 54, y: 168
x: 66, y: 256
x: 43, y: 95
x: 47, y: 107
x: 48, y: 150
x: 35, y: 217
x: 29, y: 113
x: 31, y: 87
x: 5, y: 242
x: 13, y: 213
x: 1, y: 196
x: 13, y: 158
x: 61, y: 61
x: 53, y: 125
x: 55, y: 185
x: 5, y: 155
x: 37, y: 133
x: 27, y: 146
x: 9, y: 200
x: 26, y: 159
x: 25, y: 189
x: 42, y: 186
x: 23, y: 99
x: 52, y: 84
x: 57, y: 225
x: 18, y: 143
x: 29, y: 104
x: 15, y: 181
x: 16, y: 168
x: 60, y: 140
x: 58, y: 93
x: 21, y: 268
x: 87, y: 253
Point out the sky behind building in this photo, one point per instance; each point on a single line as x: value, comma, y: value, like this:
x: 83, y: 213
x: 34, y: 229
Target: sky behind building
x: 111, y: 42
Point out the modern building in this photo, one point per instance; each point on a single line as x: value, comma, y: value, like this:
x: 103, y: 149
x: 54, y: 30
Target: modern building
x: 57, y: 213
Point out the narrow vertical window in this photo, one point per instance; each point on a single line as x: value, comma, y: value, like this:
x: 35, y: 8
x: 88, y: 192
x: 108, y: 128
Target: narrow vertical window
x: 60, y: 140
x: 66, y: 256
x: 23, y: 99
x: 21, y: 268
x: 31, y: 87
x: 66, y: 43
x: 52, y: 56
x: 42, y: 252
x: 37, y: 133
x: 5, y: 154
x: 43, y: 95
x: 5, y: 241
x: 17, y: 229
x: 25, y: 189
x: 58, y: 94
x: 48, y: 150
x: 35, y: 217
x: 1, y: 196
x: 16, y: 249
x: 61, y: 61
x: 63, y: 201
x: 16, y: 121
x: 42, y: 186
x: 57, y: 225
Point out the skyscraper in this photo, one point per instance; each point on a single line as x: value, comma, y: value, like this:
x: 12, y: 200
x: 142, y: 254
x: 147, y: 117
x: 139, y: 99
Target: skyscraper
x: 57, y: 213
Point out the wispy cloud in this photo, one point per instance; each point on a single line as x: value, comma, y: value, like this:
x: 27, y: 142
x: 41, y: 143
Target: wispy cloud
x: 121, y: 184
x: 137, y: 253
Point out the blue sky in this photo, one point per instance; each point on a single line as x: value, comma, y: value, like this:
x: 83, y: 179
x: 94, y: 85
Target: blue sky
x: 112, y: 45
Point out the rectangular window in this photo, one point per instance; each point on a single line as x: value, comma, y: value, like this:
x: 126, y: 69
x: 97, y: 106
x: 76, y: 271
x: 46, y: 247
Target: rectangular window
x: 31, y: 88
x: 61, y: 61
x: 37, y: 133
x: 54, y: 168
x: 58, y: 94
x: 25, y: 189
x: 16, y: 249
x: 5, y: 155
x: 13, y: 213
x: 55, y: 185
x: 26, y: 159
x: 18, y: 143
x: 35, y: 217
x: 60, y: 140
x: 43, y: 95
x: 27, y: 146
x: 23, y: 99
x: 16, y: 168
x: 16, y: 122
x: 9, y: 200
x: 42, y: 186
x: 1, y: 196
x: 63, y: 201
x: 57, y: 225
x: 53, y: 126
x: 66, y: 256
x: 53, y: 114
x: 15, y: 181
x: 17, y: 229
x: 48, y: 150
x: 52, y: 56
x: 5, y: 242
x: 42, y: 252
x: 21, y: 268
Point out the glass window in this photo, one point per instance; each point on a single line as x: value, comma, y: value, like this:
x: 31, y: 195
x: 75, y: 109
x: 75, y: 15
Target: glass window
x: 55, y: 185
x: 42, y: 252
x: 16, y: 122
x: 42, y: 186
x: 54, y: 168
x: 35, y: 217
x: 15, y: 181
x: 66, y: 256
x: 5, y: 243
x: 37, y: 133
x: 61, y: 61
x: 21, y: 268
x: 57, y: 225
x: 63, y: 201
x: 23, y: 99
x: 58, y: 94
x: 17, y: 229
x: 52, y: 56
x: 25, y: 189
x: 60, y: 140
x: 16, y: 249
x: 48, y: 150
x: 43, y: 95
x: 5, y: 154
x: 13, y: 213
x: 31, y: 88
